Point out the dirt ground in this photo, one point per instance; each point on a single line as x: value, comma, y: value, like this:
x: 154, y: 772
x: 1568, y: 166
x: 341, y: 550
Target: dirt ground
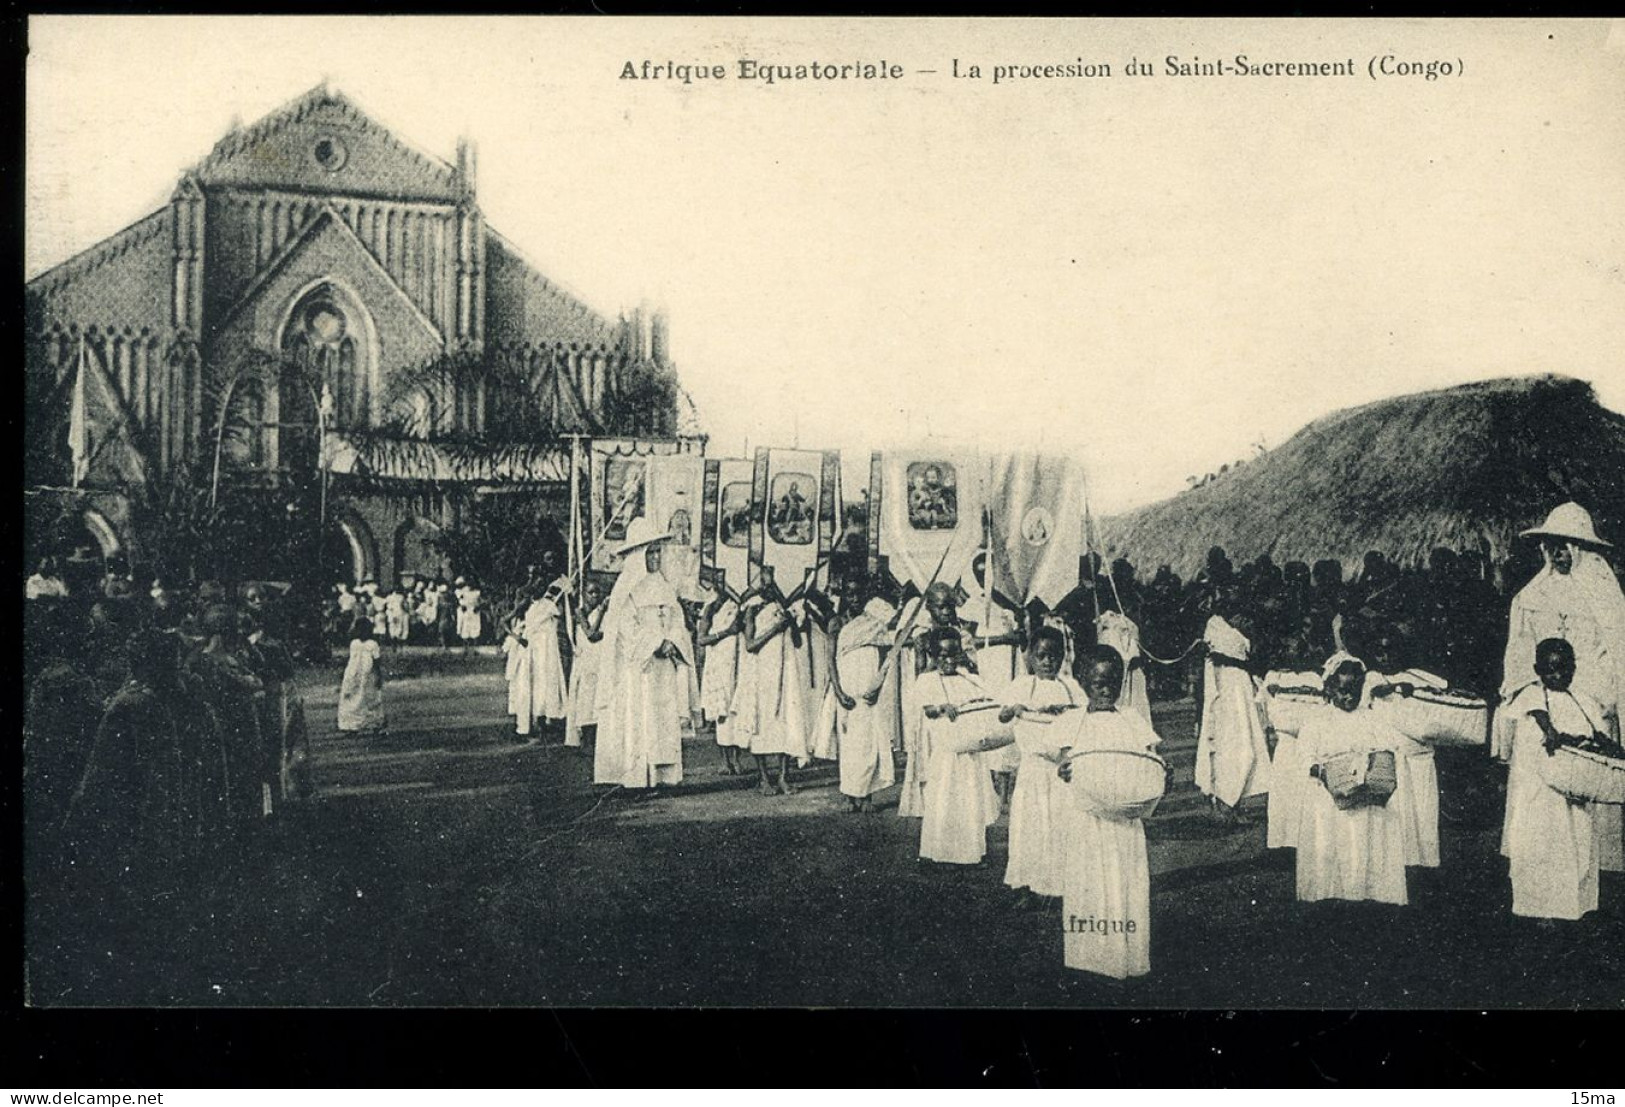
x: 444, y: 864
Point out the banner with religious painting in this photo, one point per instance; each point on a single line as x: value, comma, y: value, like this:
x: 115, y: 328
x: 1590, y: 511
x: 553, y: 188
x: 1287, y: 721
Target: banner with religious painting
x: 793, y: 522
x: 674, y: 497
x: 618, y: 482
x: 929, y: 506
x: 1036, y: 503
x: 726, y: 538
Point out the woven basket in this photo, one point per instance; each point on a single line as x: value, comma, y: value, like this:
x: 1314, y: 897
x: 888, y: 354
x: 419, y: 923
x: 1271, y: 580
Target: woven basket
x: 1360, y: 779
x: 1119, y: 784
x: 1427, y: 716
x: 1585, y: 776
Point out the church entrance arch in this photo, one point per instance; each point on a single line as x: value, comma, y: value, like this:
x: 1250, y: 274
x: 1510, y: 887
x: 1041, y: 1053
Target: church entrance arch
x: 350, y: 554
x: 417, y: 553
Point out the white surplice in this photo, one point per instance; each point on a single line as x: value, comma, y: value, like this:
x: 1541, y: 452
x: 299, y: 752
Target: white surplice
x: 1357, y: 853
x: 1106, y: 898
x: 863, y: 742
x: 581, y: 706
x: 547, y: 687
x: 1551, y: 844
x: 1232, y: 751
x: 959, y: 800
x: 1417, y: 774
x: 1037, y: 829
x: 719, y: 678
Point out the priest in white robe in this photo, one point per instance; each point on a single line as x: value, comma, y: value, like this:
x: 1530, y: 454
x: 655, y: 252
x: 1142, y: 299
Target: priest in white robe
x: 644, y: 682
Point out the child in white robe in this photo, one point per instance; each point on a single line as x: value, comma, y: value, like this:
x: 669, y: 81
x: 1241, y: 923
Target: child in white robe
x: 1232, y: 749
x: 1549, y: 839
x: 1417, y: 773
x: 397, y: 619
x: 517, y: 673
x: 1359, y: 852
x: 361, y: 694
x: 960, y: 803
x: 778, y: 721
x: 547, y: 686
x: 1106, y: 897
x: 1118, y: 631
x: 719, y: 633
x: 1037, y: 838
x: 581, y: 711
x: 857, y: 678
x: 470, y: 624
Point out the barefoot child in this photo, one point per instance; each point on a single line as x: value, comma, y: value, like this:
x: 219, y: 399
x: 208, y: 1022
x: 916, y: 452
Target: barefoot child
x: 1032, y: 704
x: 780, y: 715
x: 1232, y: 751
x: 1106, y: 897
x: 960, y: 803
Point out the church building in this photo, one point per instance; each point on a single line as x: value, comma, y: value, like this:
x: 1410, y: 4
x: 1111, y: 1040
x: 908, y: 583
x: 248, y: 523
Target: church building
x: 317, y: 296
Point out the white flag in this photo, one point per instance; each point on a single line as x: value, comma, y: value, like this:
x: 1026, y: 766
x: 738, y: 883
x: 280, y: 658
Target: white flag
x: 79, y: 421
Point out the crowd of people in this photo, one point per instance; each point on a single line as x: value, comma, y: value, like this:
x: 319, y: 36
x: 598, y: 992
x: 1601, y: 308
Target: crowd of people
x: 160, y: 727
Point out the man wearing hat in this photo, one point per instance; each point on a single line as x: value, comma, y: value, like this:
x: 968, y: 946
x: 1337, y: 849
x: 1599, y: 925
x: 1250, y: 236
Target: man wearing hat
x: 1575, y: 597
x: 646, y: 686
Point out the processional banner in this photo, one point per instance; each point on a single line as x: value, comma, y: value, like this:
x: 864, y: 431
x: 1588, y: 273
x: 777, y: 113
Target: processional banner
x: 620, y: 485
x: 929, y: 505
x: 795, y: 513
x: 726, y: 534
x: 1036, y: 505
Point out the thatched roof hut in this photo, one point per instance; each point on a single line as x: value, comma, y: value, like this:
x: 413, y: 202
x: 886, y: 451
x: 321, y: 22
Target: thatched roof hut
x: 1466, y: 467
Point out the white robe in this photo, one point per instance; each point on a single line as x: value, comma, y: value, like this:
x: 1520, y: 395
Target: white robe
x: 959, y: 800
x: 469, y: 624
x: 776, y: 720
x: 1119, y: 632
x: 1037, y: 826
x: 1232, y: 751
x: 581, y: 709
x: 642, y: 699
x: 397, y: 619
x: 361, y: 696
x: 719, y: 678
x: 1551, y: 843
x: 517, y: 673
x: 1416, y: 772
x: 1106, y: 898
x: 863, y: 740
x: 547, y: 687
x: 1358, y: 853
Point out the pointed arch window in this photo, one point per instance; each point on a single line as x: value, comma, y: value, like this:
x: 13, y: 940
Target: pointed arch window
x: 321, y: 337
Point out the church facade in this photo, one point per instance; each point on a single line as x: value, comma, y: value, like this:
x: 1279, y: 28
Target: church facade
x: 318, y: 295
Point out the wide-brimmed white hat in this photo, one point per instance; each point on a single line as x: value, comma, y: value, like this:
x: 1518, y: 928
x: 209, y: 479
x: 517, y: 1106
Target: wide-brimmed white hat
x: 641, y: 532
x: 1570, y: 521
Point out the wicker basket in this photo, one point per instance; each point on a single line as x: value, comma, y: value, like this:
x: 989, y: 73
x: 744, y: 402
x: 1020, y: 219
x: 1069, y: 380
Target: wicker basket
x: 1119, y: 784
x: 1439, y: 720
x: 1585, y: 776
x: 1360, y: 779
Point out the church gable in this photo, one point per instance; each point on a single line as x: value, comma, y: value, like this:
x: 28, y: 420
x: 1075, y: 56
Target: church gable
x: 323, y: 143
x: 328, y: 253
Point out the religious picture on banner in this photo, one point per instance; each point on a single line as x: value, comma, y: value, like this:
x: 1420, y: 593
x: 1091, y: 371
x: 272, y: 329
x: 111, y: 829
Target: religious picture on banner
x: 736, y: 514
x: 933, y: 496
x: 793, y: 511
x: 681, y: 527
x: 624, y: 486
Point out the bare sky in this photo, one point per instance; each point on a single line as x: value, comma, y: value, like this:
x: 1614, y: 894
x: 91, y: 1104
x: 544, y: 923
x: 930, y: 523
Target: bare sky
x: 1153, y: 272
